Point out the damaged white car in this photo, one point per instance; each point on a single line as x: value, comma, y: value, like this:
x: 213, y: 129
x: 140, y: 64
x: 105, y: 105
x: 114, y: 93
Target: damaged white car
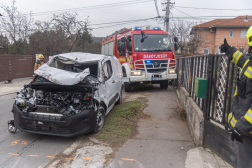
x: 68, y: 96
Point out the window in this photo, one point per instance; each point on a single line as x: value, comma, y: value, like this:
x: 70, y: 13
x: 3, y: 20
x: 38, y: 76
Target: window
x: 152, y: 42
x: 242, y: 49
x: 206, y: 50
x: 243, y: 33
x: 107, y: 70
x: 231, y: 33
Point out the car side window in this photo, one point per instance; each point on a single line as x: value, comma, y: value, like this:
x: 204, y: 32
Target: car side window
x: 107, y: 70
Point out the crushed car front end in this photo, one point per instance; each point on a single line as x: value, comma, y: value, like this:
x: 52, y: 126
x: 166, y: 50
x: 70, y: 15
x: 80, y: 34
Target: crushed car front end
x: 62, y: 99
x: 46, y: 108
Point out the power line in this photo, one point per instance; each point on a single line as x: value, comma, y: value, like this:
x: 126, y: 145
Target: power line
x: 124, y: 22
x: 186, y: 14
x: 213, y: 8
x: 155, y: 1
x: 96, y: 7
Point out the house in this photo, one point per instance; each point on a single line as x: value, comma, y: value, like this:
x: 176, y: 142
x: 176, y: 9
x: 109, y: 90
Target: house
x: 234, y: 30
x: 1, y: 47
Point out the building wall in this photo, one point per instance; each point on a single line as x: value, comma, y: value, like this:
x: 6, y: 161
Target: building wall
x: 235, y: 41
x: 209, y: 40
x: 216, y: 39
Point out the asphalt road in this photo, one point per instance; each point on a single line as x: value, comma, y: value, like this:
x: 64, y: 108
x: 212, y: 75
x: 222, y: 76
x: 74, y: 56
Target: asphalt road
x: 25, y: 150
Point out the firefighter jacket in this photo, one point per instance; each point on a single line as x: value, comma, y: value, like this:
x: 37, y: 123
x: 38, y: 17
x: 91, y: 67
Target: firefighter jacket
x: 240, y: 118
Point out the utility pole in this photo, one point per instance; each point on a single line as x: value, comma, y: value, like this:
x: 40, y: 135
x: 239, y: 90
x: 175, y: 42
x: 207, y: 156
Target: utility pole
x: 167, y: 15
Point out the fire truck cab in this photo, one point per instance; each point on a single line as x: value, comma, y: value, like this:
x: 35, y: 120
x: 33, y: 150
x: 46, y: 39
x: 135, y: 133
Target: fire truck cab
x: 145, y: 53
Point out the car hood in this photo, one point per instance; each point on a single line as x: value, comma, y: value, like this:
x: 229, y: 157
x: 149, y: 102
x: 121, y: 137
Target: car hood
x: 61, y: 77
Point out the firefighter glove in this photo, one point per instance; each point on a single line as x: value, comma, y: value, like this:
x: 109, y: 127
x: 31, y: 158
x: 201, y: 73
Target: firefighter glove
x: 225, y: 46
x: 236, y: 136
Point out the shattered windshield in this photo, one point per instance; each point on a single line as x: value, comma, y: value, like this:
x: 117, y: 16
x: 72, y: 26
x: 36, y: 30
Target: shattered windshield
x: 151, y: 43
x: 69, y: 65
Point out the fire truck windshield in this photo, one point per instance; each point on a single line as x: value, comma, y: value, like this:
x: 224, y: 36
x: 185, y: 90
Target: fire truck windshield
x: 152, y: 43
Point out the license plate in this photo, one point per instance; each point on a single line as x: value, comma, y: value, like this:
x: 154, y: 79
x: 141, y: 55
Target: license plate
x: 156, y: 78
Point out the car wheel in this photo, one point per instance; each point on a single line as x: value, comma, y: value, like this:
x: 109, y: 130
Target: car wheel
x: 100, y: 120
x: 164, y: 84
x: 120, y: 98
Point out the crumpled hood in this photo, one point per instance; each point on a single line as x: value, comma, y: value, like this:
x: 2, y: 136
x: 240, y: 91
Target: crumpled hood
x: 61, y: 77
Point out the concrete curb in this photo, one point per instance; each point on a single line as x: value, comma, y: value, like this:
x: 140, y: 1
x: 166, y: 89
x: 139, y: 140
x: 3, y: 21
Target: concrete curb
x: 201, y: 158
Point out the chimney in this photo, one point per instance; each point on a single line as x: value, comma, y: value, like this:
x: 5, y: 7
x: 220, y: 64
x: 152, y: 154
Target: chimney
x: 246, y: 20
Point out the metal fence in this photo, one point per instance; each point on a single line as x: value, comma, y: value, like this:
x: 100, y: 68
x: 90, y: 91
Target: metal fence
x: 17, y: 66
x: 221, y: 75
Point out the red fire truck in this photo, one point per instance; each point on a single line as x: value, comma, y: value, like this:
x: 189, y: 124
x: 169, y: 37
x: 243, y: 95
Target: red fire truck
x: 146, y: 55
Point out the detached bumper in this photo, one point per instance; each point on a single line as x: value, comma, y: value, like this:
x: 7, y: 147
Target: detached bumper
x: 78, y: 124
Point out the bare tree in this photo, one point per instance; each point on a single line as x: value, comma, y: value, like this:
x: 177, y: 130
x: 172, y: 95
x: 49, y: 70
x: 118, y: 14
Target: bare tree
x: 181, y: 29
x: 15, y: 25
x: 73, y: 28
x: 4, y: 42
x: 198, y: 39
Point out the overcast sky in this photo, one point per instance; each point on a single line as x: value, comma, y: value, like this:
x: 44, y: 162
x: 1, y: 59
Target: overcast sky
x: 131, y: 10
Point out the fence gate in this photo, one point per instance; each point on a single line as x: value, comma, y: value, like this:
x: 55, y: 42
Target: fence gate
x: 221, y: 78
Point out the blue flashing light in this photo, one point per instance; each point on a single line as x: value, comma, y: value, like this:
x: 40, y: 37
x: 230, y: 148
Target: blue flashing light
x: 138, y: 28
x: 156, y: 28
x: 148, y: 61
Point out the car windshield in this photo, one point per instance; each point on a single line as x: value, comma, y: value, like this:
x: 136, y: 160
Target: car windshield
x: 152, y: 42
x: 69, y: 65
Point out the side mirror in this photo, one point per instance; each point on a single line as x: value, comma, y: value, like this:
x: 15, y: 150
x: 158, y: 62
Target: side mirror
x: 175, y: 39
x: 176, y: 47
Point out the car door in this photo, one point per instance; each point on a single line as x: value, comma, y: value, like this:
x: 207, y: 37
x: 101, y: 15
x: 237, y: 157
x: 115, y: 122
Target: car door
x: 109, y: 82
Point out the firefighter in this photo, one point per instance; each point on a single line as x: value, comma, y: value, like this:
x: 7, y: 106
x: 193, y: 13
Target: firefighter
x: 39, y: 62
x: 240, y: 117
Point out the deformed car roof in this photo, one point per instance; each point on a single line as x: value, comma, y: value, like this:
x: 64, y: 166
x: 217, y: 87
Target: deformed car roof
x: 81, y: 57
x: 63, y: 77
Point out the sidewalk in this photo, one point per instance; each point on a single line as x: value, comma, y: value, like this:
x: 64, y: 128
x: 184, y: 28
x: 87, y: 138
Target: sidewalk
x: 14, y: 86
x: 163, y: 140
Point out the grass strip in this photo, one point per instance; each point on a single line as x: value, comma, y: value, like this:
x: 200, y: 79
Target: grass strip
x: 120, y: 124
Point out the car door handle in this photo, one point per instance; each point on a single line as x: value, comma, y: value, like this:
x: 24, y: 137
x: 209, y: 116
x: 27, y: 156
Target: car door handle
x: 113, y: 81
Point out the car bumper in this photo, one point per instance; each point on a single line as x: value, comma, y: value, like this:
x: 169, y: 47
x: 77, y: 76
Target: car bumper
x: 78, y: 124
x: 151, y: 77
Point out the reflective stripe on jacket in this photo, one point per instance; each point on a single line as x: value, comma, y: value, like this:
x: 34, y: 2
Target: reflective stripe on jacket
x: 240, y: 117
x: 38, y: 63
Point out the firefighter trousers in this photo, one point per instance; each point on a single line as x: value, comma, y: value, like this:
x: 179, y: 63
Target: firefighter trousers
x: 244, y: 155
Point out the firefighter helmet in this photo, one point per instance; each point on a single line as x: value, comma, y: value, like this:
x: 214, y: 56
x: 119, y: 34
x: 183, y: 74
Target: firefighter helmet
x: 40, y: 56
x: 249, y: 36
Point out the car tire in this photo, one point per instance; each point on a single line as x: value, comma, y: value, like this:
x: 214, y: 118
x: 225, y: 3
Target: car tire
x: 127, y: 86
x: 164, y: 84
x: 120, y: 98
x: 100, y: 120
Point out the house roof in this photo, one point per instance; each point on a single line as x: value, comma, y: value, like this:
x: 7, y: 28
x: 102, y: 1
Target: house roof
x: 239, y: 21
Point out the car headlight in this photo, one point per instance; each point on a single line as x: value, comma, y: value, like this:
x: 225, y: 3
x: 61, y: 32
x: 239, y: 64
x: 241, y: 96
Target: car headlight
x: 171, y: 71
x: 136, y: 73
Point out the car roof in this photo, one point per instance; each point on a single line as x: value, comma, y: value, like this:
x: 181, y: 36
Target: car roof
x: 82, y: 57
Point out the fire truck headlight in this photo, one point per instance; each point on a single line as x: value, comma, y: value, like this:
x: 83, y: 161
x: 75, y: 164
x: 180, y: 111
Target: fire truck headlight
x: 136, y: 73
x: 171, y: 71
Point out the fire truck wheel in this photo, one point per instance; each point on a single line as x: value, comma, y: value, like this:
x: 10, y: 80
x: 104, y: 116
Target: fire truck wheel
x: 127, y: 87
x: 164, y: 84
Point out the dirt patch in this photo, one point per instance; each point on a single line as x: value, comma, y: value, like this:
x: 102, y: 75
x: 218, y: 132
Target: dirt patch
x: 178, y: 111
x: 120, y: 125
